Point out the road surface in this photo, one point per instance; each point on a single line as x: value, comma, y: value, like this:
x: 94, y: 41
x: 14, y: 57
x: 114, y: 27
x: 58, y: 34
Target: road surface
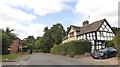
x: 48, y: 59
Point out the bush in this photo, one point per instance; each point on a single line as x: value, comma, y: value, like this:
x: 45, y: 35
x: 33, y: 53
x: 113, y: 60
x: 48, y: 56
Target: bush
x: 109, y: 44
x: 72, y: 48
x: 55, y: 50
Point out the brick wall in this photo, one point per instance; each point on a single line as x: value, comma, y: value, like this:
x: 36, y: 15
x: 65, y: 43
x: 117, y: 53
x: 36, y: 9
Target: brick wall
x: 14, y: 46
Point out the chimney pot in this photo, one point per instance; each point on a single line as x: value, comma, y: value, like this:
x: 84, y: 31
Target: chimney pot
x: 85, y: 23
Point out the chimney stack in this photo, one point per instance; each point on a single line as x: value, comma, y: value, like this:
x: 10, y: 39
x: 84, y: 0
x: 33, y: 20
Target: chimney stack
x: 68, y: 28
x: 85, y: 23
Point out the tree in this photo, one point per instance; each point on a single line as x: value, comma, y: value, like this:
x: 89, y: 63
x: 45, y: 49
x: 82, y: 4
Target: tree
x: 39, y: 38
x: 58, y: 32
x: 47, y: 41
x: 115, y: 29
x: 9, y: 31
x: 0, y: 41
x: 29, y: 41
x: 5, y: 43
x: 116, y: 41
x: 38, y: 45
x: 52, y: 36
x: 7, y: 38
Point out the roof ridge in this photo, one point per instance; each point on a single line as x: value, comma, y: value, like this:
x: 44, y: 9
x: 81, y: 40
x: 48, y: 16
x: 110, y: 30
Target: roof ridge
x: 74, y: 25
x: 99, y: 20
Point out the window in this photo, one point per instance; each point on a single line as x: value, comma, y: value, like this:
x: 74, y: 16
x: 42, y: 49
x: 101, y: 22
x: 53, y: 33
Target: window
x: 94, y: 34
x: 84, y: 36
x: 101, y: 34
x: 71, y: 34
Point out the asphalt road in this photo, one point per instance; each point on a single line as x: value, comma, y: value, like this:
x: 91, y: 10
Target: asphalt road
x: 48, y: 59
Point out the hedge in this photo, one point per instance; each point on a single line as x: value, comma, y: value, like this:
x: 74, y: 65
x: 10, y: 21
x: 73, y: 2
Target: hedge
x: 72, y: 48
x: 110, y: 43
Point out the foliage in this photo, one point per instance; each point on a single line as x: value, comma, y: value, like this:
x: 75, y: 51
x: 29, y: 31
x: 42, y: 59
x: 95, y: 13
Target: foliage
x: 55, y: 49
x: 10, y: 56
x: 58, y: 33
x: 116, y: 41
x: 5, y: 43
x: 47, y: 41
x: 0, y: 41
x: 7, y: 37
x: 29, y: 41
x: 110, y: 43
x: 72, y: 48
x: 38, y: 44
x: 115, y: 29
x: 52, y: 36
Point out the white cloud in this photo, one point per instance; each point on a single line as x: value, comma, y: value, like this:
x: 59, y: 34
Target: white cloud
x: 22, y: 21
x: 41, y: 7
x: 16, y: 15
x: 99, y: 9
x: 36, y: 29
x: 22, y: 31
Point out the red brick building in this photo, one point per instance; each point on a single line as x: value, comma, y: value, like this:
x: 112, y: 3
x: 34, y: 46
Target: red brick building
x: 15, y: 46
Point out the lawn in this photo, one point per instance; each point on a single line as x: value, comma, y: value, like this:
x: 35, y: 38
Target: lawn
x: 9, y: 56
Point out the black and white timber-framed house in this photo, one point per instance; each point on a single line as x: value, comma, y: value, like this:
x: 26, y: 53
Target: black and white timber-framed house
x: 97, y: 33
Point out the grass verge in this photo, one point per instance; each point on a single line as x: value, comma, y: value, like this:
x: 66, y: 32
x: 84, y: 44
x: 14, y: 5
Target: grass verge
x: 9, y: 56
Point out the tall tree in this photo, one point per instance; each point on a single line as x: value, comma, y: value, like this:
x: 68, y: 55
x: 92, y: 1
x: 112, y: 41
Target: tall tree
x: 5, y: 43
x: 38, y: 44
x: 52, y: 36
x: 7, y: 38
x: 8, y: 31
x: 47, y: 41
x: 58, y: 32
x: 30, y: 40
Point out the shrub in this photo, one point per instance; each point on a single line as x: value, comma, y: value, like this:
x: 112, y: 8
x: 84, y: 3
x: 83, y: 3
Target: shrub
x: 110, y: 44
x: 72, y: 48
x: 55, y: 49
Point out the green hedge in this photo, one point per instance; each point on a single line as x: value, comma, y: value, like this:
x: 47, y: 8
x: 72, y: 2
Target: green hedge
x: 110, y: 43
x: 72, y: 48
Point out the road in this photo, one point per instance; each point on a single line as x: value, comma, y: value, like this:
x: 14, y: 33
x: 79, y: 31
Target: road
x: 48, y: 59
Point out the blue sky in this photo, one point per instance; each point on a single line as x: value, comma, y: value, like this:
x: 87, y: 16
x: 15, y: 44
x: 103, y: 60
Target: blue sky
x: 67, y: 16
x: 31, y: 17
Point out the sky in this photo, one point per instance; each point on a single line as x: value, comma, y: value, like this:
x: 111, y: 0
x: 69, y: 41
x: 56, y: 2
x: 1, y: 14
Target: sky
x: 30, y: 17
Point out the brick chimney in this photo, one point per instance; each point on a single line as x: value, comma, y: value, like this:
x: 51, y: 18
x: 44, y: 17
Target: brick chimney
x: 68, y: 28
x: 85, y: 23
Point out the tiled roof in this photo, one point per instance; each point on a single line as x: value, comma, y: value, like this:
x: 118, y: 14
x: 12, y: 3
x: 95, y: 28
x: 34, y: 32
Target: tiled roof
x: 91, y: 27
x: 77, y: 28
x: 65, y: 37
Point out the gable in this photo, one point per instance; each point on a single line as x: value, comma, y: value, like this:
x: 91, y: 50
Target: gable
x: 72, y: 30
x: 105, y: 27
